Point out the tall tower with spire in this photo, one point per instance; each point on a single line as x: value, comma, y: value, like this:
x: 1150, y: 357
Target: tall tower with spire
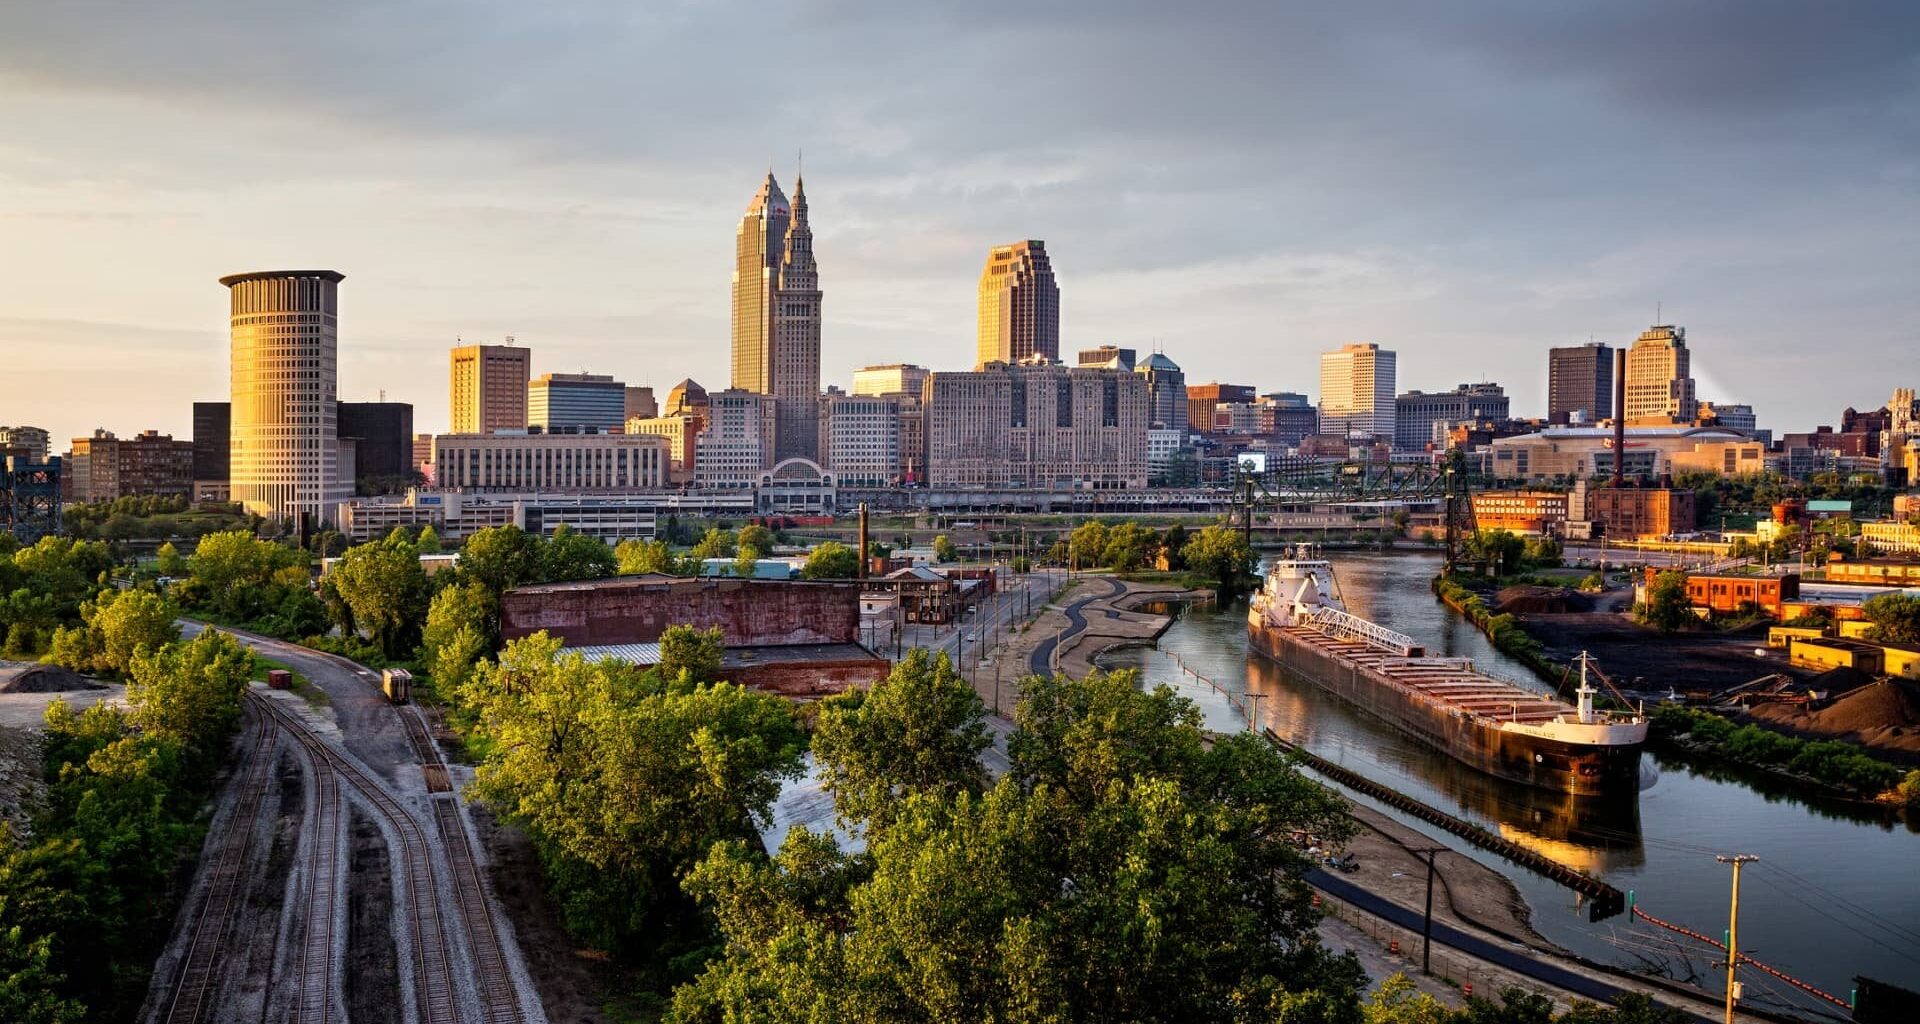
x: 776, y: 315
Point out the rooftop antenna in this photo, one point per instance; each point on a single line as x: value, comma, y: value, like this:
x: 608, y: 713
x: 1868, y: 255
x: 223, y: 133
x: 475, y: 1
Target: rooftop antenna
x: 509, y: 339
x: 1658, y: 313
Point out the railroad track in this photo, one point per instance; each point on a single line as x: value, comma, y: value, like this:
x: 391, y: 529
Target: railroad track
x: 197, y: 980
x: 432, y: 768
x: 435, y: 992
x: 498, y: 1000
x: 313, y: 1002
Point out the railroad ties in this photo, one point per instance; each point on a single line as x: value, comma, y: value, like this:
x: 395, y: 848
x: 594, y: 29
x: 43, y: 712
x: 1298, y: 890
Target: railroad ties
x: 313, y: 1000
x: 435, y: 993
x: 198, y: 972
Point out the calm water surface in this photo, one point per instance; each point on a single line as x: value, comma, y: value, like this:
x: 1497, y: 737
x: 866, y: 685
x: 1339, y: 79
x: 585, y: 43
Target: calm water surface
x: 1836, y: 893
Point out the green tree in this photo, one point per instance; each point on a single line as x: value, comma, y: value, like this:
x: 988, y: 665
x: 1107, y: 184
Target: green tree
x: 129, y: 622
x: 1504, y: 552
x: 386, y: 589
x: 1169, y: 894
x: 625, y: 779
x: 1397, y: 1001
x: 1667, y: 607
x: 571, y: 555
x: 29, y: 986
x: 692, y: 653
x: 640, y: 557
x: 1087, y: 545
x: 428, y: 543
x: 943, y: 549
x: 830, y: 560
x: 191, y: 690
x: 1129, y: 548
x: 757, y: 539
x: 920, y: 730
x: 500, y: 558
x: 463, y: 617
x: 168, y: 561
x: 717, y: 543
x: 746, y: 565
x: 1219, y: 552
x: 1895, y: 618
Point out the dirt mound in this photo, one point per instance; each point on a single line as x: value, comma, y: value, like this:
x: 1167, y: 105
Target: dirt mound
x: 1884, y: 717
x: 1531, y: 600
x: 48, y: 679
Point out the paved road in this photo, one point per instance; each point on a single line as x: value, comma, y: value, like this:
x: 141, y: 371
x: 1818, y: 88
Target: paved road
x: 1512, y: 959
x: 1041, y: 662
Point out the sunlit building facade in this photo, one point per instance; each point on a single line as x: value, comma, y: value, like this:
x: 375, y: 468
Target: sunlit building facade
x: 1019, y: 313
x: 284, y: 375
x: 776, y: 315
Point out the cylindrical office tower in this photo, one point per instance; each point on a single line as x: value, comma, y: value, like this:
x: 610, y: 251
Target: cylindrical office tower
x: 286, y: 447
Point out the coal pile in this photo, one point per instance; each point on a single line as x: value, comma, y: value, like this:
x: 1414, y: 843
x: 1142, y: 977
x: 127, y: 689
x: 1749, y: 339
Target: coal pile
x: 48, y: 679
x: 1531, y: 600
x: 1884, y: 717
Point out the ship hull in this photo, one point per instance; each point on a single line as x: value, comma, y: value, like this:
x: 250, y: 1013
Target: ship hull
x: 1586, y: 769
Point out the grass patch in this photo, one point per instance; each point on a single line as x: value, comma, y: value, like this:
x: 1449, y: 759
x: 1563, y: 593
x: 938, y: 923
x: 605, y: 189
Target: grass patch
x: 302, y: 686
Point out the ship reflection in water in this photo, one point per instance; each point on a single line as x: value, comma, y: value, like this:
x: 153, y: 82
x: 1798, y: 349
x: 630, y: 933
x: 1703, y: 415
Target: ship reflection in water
x: 1586, y: 833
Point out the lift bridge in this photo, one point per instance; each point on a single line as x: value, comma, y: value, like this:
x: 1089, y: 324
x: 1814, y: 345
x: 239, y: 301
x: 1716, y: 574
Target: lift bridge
x: 1299, y: 480
x: 30, y: 498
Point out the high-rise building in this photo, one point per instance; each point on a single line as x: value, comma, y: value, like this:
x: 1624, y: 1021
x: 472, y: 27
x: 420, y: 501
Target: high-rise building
x: 686, y: 397
x: 860, y: 439
x: 488, y: 388
x: 1166, y: 392
x: 1356, y: 391
x: 212, y: 448
x: 1037, y: 425
x: 1201, y: 399
x: 32, y: 440
x: 776, y: 315
x: 890, y: 379
x: 285, y: 377
x: 1659, y: 378
x: 640, y: 403
x: 576, y: 403
x: 104, y: 467
x: 739, y: 441
x: 1288, y: 417
x: 382, y: 433
x: 1107, y: 357
x: 1580, y: 383
x: 1421, y: 419
x: 1019, y: 305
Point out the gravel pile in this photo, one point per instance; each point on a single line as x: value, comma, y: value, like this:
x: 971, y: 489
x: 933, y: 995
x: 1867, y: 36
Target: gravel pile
x: 48, y: 679
x: 1883, y: 717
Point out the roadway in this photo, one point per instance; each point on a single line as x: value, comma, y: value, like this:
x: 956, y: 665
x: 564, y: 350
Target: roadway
x: 1041, y: 661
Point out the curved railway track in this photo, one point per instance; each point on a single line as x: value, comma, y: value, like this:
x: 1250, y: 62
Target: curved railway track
x: 313, y: 999
x: 197, y: 979
x: 435, y: 993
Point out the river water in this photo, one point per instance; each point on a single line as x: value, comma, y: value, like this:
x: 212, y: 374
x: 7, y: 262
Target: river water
x: 1836, y: 893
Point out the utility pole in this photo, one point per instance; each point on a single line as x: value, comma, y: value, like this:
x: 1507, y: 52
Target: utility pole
x: 1253, y: 718
x: 1733, y: 929
x: 1426, y: 928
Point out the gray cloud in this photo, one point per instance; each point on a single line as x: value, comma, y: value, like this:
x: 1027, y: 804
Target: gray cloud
x: 1248, y: 182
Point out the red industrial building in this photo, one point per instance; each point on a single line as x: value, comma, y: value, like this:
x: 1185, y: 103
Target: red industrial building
x: 799, y: 638
x: 1734, y: 593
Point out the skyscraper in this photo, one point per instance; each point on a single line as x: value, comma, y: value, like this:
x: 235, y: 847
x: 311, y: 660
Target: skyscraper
x: 1357, y: 391
x: 1659, y: 377
x: 488, y: 388
x: 890, y: 379
x: 1019, y: 305
x: 1166, y: 392
x: 1580, y: 382
x: 776, y: 315
x: 285, y: 379
x: 576, y: 403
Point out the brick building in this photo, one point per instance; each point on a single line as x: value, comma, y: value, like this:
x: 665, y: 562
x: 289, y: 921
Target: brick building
x: 1542, y: 513
x: 104, y: 467
x: 1630, y: 513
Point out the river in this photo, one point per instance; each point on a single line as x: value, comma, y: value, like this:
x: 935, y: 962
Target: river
x: 1835, y: 894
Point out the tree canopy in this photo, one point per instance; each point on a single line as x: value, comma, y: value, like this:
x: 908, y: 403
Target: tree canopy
x: 831, y: 560
x: 920, y: 730
x: 386, y: 590
x: 1221, y: 553
x: 1895, y: 618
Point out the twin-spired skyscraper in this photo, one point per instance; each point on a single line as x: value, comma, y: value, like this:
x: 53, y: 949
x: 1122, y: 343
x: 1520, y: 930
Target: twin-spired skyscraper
x: 776, y: 315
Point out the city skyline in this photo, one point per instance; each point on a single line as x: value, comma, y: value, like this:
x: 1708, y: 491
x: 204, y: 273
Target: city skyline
x: 606, y: 256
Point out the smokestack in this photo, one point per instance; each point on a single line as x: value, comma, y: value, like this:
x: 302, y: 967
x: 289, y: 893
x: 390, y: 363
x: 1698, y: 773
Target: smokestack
x: 1619, y: 417
x: 862, y: 574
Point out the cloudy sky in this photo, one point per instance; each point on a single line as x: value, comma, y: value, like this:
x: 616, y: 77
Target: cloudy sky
x: 1243, y: 184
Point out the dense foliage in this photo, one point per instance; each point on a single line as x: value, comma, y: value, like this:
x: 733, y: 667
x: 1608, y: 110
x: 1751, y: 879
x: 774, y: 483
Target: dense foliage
x: 1667, y: 606
x: 1895, y: 618
x: 84, y: 907
x: 1837, y: 764
x: 1124, y: 870
x: 1222, y: 554
x: 831, y: 560
x: 45, y: 586
x: 624, y: 779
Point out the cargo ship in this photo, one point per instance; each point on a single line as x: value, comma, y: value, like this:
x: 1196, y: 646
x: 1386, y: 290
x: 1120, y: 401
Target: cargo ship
x: 1498, y: 727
